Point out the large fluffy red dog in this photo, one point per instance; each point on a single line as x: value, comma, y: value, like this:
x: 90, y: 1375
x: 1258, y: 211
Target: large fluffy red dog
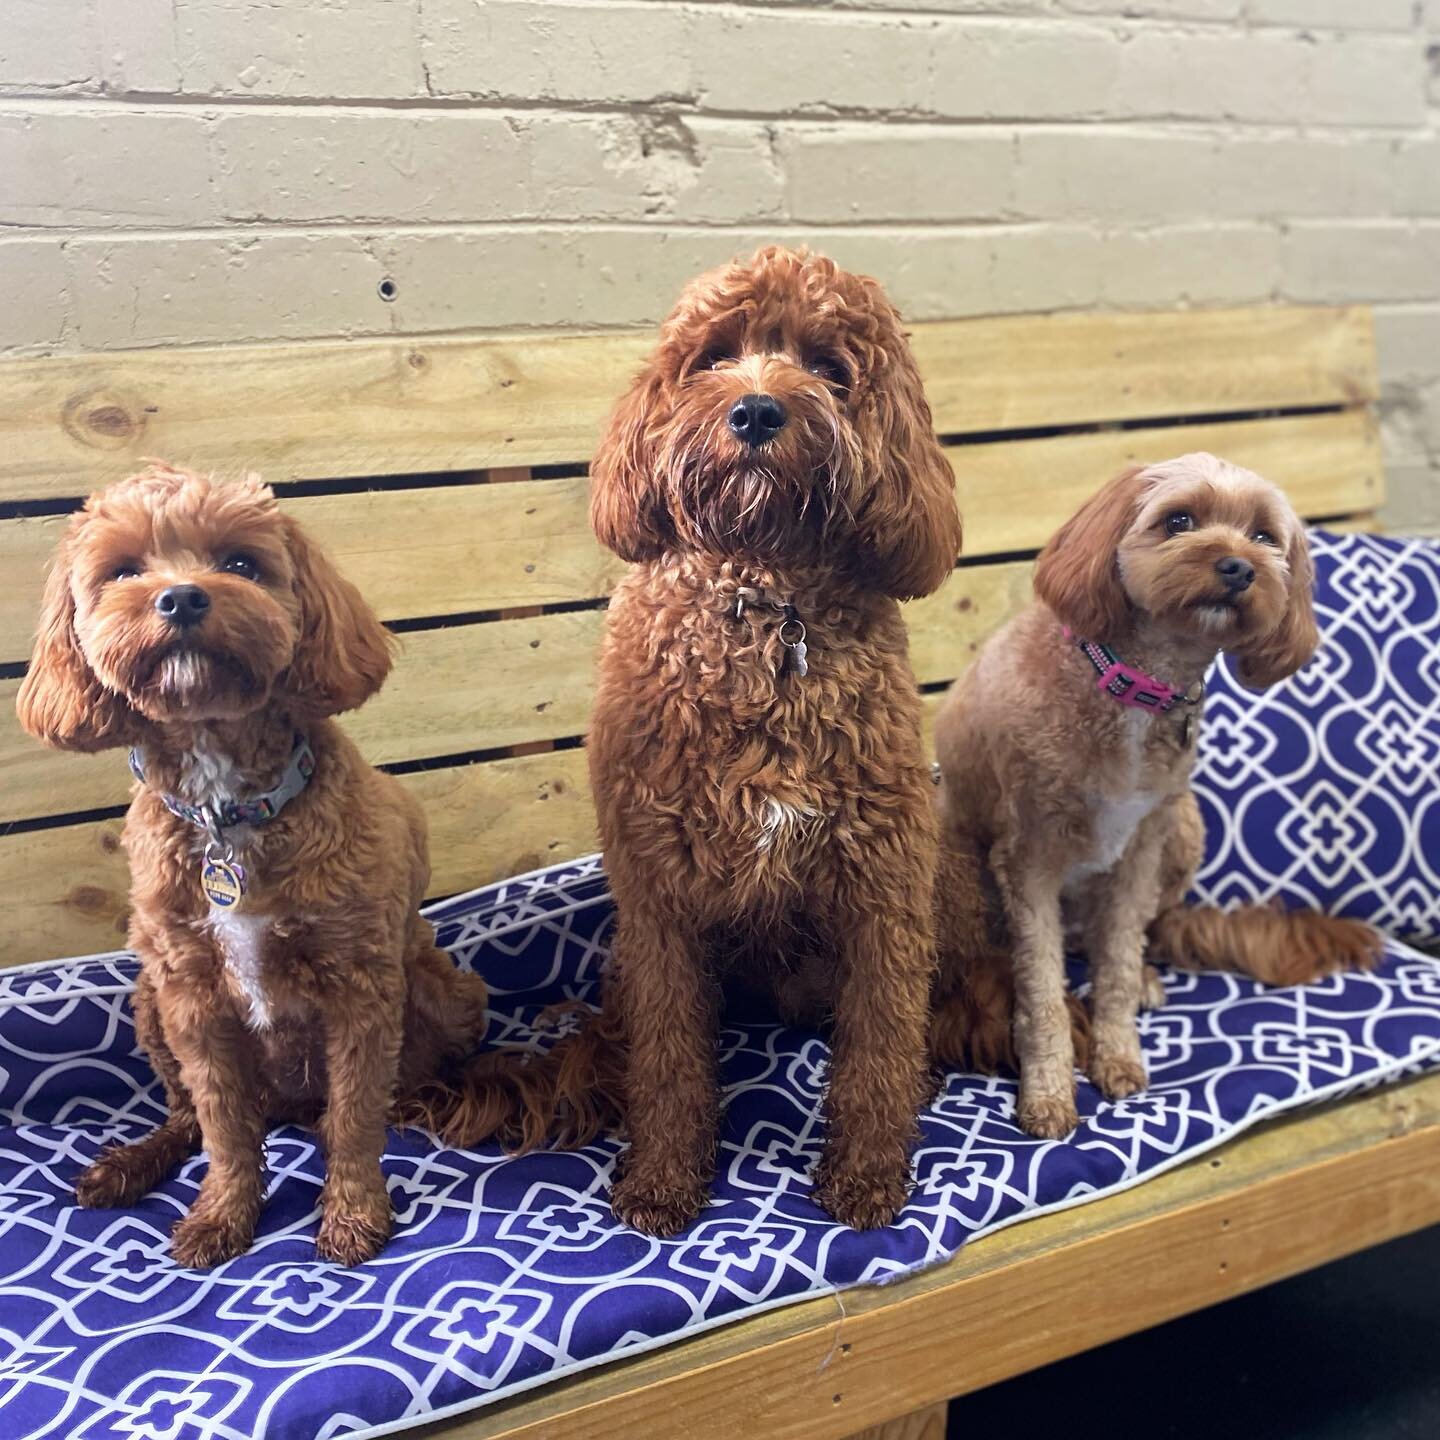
x: 275, y: 876
x: 755, y: 751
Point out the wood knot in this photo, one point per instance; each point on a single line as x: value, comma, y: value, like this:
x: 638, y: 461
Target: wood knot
x: 89, y: 899
x: 104, y: 420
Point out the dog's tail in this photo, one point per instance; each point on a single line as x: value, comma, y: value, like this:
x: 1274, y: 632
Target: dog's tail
x: 565, y: 1096
x: 1268, y: 943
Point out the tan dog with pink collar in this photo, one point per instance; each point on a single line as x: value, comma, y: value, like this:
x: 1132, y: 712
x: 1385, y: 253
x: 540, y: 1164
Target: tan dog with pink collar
x: 1065, y: 757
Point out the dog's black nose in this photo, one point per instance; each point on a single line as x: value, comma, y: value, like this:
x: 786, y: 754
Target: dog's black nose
x: 755, y: 418
x: 182, y: 605
x: 1235, y: 572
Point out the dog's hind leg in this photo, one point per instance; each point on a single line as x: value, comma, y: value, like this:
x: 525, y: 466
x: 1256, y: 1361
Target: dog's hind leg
x: 124, y: 1173
x: 973, y: 1005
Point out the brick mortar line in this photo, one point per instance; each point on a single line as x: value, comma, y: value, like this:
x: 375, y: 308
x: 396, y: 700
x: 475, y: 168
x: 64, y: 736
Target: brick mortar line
x: 220, y: 108
x: 386, y: 228
x: 475, y: 102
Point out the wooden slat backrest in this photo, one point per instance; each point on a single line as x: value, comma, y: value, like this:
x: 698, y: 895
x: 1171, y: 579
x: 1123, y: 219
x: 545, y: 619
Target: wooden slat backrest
x: 447, y: 478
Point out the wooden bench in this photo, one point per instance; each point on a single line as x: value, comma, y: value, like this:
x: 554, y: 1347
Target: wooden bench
x: 448, y: 477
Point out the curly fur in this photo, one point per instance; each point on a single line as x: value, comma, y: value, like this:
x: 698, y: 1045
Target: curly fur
x: 321, y: 996
x: 1062, y: 809
x: 762, y: 831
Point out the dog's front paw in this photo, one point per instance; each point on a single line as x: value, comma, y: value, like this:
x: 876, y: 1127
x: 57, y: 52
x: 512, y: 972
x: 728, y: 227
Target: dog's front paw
x: 108, y: 1183
x: 1117, y: 1075
x: 1152, y: 989
x: 200, y: 1241
x: 863, y: 1199
x: 655, y: 1208
x: 1047, y: 1117
x: 351, y: 1237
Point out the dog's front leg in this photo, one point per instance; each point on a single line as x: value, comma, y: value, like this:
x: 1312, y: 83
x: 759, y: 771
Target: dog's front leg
x: 1030, y: 885
x: 669, y: 1008
x: 364, y: 1023
x: 1122, y: 907
x: 220, y: 1069
x: 885, y: 935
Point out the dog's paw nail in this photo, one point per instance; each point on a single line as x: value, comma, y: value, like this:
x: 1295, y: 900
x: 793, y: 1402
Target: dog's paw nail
x: 1116, y: 1076
x: 352, y: 1239
x: 200, y: 1243
x: 1048, y: 1117
x: 656, y: 1210
x: 865, y: 1201
x: 103, y: 1186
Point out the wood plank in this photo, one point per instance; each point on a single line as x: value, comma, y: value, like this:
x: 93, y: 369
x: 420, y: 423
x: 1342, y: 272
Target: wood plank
x: 66, y: 887
x: 295, y: 412
x: 446, y: 550
x: 1016, y: 494
x: 1013, y: 372
x: 926, y: 1424
x: 71, y: 423
x: 459, y: 549
x: 1288, y: 1196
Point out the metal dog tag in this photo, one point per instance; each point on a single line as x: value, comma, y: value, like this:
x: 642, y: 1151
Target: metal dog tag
x: 222, y: 880
x: 1187, y: 730
x: 792, y: 637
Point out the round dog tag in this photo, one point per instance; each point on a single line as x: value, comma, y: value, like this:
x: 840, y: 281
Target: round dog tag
x: 222, y: 883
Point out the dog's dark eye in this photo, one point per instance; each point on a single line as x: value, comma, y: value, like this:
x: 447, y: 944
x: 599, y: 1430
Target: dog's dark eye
x: 831, y: 368
x: 1177, y: 522
x: 243, y: 565
x: 709, y: 359
x: 1264, y: 537
x: 128, y: 571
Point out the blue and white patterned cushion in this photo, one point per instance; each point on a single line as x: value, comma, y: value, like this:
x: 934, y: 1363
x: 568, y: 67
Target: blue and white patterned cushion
x: 1325, y: 790
x: 505, y: 1273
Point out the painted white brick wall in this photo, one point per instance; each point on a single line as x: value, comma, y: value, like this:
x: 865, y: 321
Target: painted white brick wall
x: 216, y: 171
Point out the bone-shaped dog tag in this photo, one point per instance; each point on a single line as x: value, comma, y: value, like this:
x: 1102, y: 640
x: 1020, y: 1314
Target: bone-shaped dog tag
x: 795, y: 662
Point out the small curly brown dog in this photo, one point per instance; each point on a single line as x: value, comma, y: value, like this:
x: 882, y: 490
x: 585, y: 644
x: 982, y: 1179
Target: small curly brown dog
x: 755, y: 750
x: 1066, y: 753
x: 275, y: 877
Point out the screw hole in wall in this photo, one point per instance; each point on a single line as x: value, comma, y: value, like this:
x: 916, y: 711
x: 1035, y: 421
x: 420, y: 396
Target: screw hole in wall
x: 388, y: 289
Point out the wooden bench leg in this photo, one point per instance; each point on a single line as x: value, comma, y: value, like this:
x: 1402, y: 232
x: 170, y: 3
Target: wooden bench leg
x: 926, y: 1424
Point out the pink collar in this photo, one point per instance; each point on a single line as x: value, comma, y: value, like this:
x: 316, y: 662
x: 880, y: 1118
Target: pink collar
x: 1132, y: 687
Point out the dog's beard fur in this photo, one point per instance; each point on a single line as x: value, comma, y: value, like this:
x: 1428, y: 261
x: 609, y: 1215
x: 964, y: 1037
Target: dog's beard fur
x: 783, y: 500
x: 224, y: 668
x: 190, y: 683
x: 1176, y: 583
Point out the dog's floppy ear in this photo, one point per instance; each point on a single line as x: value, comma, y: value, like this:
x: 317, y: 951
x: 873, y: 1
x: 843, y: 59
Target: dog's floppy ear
x: 1279, y: 652
x: 61, y: 701
x: 1078, y: 572
x: 907, y: 521
x: 344, y: 653
x: 627, y: 508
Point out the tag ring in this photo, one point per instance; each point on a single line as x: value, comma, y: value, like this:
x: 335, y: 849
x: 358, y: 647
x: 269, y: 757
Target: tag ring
x: 787, y: 635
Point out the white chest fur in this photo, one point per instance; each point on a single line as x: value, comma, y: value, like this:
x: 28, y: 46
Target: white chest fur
x: 1114, y: 816
x: 209, y: 776
x: 780, y: 823
x: 1114, y: 824
x: 242, y: 942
